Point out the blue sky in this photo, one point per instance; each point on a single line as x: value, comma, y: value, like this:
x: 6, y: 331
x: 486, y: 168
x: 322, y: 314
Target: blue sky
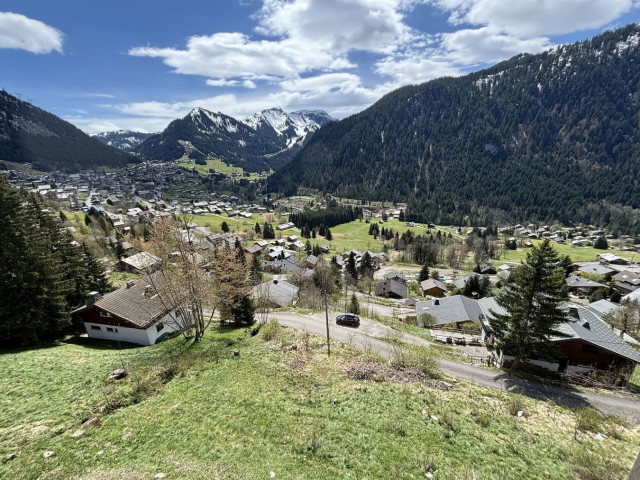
x: 139, y: 65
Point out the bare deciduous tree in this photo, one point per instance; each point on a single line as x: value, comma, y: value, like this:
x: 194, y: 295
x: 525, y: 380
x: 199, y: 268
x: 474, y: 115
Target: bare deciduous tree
x: 182, y: 283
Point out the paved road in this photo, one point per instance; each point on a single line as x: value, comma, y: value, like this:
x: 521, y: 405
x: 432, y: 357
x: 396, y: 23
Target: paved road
x: 371, y: 336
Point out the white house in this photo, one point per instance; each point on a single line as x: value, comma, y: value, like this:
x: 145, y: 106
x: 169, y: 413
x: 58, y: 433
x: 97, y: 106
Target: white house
x: 132, y: 314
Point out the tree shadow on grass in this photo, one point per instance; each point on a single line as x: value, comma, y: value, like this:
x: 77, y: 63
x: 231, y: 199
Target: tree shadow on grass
x: 565, y: 396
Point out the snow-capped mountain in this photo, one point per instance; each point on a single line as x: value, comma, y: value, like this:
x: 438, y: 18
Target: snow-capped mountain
x: 122, y: 139
x: 268, y: 139
x: 294, y: 126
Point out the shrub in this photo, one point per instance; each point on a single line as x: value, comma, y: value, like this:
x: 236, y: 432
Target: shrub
x: 515, y: 404
x: 270, y: 330
x: 588, y: 420
x: 426, y: 320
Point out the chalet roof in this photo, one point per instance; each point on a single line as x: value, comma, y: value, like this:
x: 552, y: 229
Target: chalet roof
x: 628, y: 277
x: 279, y: 292
x: 590, y: 328
x: 139, y: 304
x: 141, y: 260
x: 457, y: 308
x: 596, y: 269
x: 576, y: 281
x: 610, y: 257
x: 397, y: 275
x: 430, y: 283
x: 461, y: 282
x: 391, y: 285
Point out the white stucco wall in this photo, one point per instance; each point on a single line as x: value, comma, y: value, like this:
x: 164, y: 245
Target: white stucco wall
x: 132, y: 335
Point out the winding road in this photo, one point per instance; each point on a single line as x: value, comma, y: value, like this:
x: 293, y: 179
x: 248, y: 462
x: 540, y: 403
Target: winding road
x: 372, y: 336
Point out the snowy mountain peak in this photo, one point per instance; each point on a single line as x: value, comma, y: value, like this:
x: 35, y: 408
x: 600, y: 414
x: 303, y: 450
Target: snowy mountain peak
x: 210, y: 122
x: 295, y: 124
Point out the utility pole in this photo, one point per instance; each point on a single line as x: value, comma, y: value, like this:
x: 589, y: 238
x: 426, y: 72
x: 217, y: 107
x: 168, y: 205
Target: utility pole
x: 326, y: 313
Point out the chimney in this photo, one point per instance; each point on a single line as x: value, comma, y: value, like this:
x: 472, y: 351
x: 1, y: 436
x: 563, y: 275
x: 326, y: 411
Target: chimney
x: 148, y: 291
x: 436, y: 301
x: 92, y: 298
x: 275, y: 281
x: 130, y: 283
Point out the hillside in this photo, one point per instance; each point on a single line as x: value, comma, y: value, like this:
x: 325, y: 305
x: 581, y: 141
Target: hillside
x: 266, y: 140
x: 28, y: 134
x: 122, y: 139
x: 551, y: 136
x: 196, y: 412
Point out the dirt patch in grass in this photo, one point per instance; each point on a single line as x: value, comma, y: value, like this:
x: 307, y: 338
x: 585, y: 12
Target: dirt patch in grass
x: 379, y: 372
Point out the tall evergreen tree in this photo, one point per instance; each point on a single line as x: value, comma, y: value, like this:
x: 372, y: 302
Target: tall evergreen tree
x: 255, y: 270
x: 328, y: 236
x: 533, y: 306
x: 351, y: 266
x: 424, y: 273
x: 257, y: 229
x: 366, y: 266
x: 224, y: 227
x: 33, y: 286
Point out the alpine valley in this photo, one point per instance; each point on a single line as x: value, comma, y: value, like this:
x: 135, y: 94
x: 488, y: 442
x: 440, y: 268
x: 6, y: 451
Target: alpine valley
x: 552, y: 136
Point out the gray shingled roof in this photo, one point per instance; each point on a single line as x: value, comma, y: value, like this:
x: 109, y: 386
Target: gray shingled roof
x: 430, y: 283
x: 597, y: 333
x: 279, y: 292
x: 576, y: 281
x: 593, y: 330
x: 131, y: 303
x: 141, y: 260
x: 457, y: 308
x: 391, y: 285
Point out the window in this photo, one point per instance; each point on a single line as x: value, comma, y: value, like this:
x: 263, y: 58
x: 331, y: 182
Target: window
x: 104, y: 314
x: 112, y: 329
x: 159, y: 326
x: 96, y: 327
x: 589, y: 349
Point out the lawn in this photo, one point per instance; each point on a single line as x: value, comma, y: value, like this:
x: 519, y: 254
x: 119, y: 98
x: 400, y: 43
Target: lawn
x: 355, y: 235
x: 577, y: 254
x: 276, y: 412
x: 219, y: 166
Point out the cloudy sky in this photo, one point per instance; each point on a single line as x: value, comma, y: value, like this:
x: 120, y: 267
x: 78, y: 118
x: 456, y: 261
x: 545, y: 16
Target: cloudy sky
x: 138, y: 65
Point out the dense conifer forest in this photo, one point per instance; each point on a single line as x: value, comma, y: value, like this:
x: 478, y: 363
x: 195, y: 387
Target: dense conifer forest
x: 551, y: 136
x: 30, y: 135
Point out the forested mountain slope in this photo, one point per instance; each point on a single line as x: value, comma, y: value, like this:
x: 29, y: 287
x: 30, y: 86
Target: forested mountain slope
x: 552, y: 136
x: 28, y: 134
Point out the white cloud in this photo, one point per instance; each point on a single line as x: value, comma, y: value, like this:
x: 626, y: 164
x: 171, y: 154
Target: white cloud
x: 308, y: 36
x: 532, y: 18
x: 24, y: 33
x: 488, y: 44
x: 416, y: 68
x: 305, y: 51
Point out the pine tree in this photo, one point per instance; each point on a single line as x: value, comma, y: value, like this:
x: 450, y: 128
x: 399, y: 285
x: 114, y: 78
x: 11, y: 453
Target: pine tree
x: 255, y: 271
x: 354, y: 305
x: 224, y: 227
x: 532, y: 303
x: 258, y: 230
x: 240, y: 256
x: 308, y: 248
x: 601, y: 243
x: 351, y: 266
x: 328, y: 236
x: 424, y: 273
x: 32, y: 275
x: 366, y: 266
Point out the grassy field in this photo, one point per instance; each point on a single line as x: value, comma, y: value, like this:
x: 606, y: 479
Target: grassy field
x: 274, y: 412
x: 577, y: 254
x: 219, y: 166
x: 355, y: 235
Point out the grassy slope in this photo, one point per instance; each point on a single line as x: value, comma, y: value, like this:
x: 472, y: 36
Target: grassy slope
x: 577, y: 254
x: 273, y: 410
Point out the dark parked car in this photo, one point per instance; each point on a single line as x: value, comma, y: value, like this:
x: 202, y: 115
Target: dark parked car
x: 348, y: 319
